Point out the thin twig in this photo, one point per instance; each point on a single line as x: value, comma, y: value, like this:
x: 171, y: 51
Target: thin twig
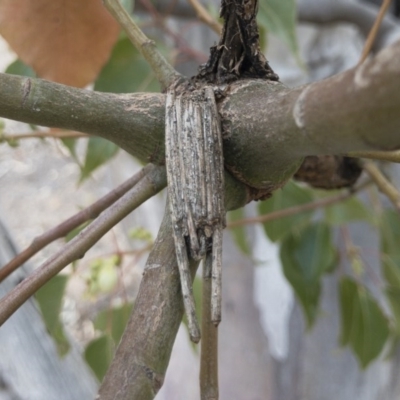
x: 4, y: 137
x: 205, y: 16
x: 390, y: 156
x: 72, y: 223
x: 209, y: 341
x: 298, y: 209
x: 148, y: 186
x: 162, y: 69
x: 374, y: 31
x: 383, y: 183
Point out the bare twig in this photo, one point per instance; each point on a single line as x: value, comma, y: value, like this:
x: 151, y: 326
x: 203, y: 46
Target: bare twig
x: 383, y: 183
x: 374, y: 31
x: 205, y: 16
x: 299, y: 209
x: 4, y: 137
x: 75, y: 221
x: 162, y: 69
x: 209, y: 341
x: 390, y: 156
x: 149, y: 185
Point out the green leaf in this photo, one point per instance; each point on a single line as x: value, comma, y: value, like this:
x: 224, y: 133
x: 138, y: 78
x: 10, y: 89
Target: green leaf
x: 291, y: 195
x: 126, y: 71
x: 20, y: 68
x: 305, y: 258
x: 113, y: 321
x: 390, y: 246
x: 279, y: 17
x: 347, y: 211
x: 239, y: 233
x: 393, y: 295
x: 70, y: 144
x: 98, y: 152
x: 98, y: 354
x: 50, y: 298
x: 364, y: 326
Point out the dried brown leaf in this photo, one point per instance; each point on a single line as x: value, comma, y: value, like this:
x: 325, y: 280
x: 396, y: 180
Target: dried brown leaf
x: 66, y: 41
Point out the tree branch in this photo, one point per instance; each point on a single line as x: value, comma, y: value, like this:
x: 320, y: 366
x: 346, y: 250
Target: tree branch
x: 149, y: 185
x: 353, y: 111
x: 138, y: 368
x: 67, y: 226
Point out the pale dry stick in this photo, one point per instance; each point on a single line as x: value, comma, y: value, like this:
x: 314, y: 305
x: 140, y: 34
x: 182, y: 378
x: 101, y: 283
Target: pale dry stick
x: 162, y: 69
x: 386, y: 187
x: 374, y: 31
x: 71, y: 223
x: 209, y: 341
x: 205, y: 16
x: 149, y: 185
x: 176, y: 193
x: 216, y: 278
x: 390, y: 156
x: 43, y: 135
x: 286, y: 212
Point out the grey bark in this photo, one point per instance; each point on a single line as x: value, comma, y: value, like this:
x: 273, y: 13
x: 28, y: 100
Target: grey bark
x: 30, y: 367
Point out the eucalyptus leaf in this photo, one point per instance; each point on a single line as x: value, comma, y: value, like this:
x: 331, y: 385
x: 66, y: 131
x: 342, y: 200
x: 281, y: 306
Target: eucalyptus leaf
x: 50, y: 298
x: 306, y: 256
x: 364, y: 326
x: 291, y: 195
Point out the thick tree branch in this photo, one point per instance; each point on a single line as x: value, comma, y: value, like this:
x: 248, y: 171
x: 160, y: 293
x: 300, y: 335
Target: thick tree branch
x: 151, y: 184
x: 268, y: 128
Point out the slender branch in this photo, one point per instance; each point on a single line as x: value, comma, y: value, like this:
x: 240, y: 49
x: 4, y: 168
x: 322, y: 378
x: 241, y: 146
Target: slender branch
x: 326, y: 117
x: 390, y: 156
x: 209, y: 341
x: 374, y: 31
x: 383, y: 184
x: 149, y: 185
x: 205, y: 16
x: 71, y: 223
x: 4, y: 137
x: 162, y: 69
x: 141, y: 360
x: 299, y: 209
